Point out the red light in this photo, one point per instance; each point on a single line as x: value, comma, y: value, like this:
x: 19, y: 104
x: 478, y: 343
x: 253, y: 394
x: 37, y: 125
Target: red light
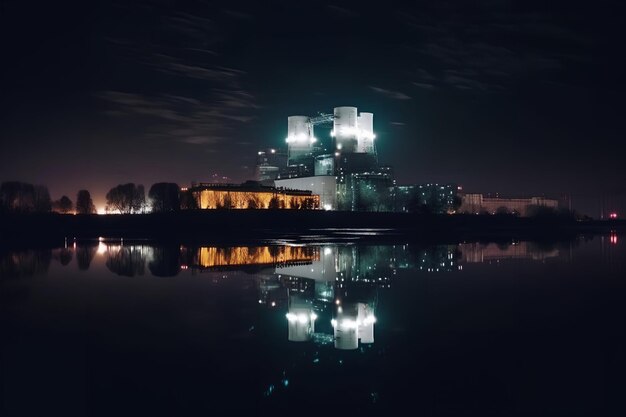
x: 613, y: 239
x: 613, y: 215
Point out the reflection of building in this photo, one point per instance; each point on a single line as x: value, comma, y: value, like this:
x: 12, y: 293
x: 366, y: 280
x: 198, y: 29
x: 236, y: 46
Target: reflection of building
x: 477, y: 203
x: 252, y: 196
x: 220, y: 257
x: 480, y: 252
x: 354, y: 322
x: 301, y: 319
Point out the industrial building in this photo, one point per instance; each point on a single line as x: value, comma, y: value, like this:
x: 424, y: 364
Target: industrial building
x: 252, y: 195
x: 342, y: 169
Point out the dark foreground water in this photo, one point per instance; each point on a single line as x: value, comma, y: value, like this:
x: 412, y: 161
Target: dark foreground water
x: 284, y: 328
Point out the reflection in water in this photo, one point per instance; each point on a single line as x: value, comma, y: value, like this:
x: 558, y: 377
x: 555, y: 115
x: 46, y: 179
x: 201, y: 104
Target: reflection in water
x: 165, y: 261
x: 222, y: 257
x: 25, y: 263
x: 481, y: 252
x: 63, y: 255
x: 127, y: 261
x: 85, y: 253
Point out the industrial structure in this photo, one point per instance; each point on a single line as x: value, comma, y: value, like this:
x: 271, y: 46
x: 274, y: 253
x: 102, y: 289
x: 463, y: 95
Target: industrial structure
x: 342, y: 168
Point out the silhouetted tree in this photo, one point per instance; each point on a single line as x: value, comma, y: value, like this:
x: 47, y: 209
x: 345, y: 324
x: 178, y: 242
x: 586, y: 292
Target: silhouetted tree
x: 309, y: 204
x: 43, y: 202
x: 188, y: 201
x: 17, y: 196
x: 228, y: 202
x: 63, y: 205
x: 23, y: 197
x: 273, y: 204
x: 294, y: 203
x: 84, y: 204
x: 164, y: 196
x: 253, y: 203
x: 126, y: 198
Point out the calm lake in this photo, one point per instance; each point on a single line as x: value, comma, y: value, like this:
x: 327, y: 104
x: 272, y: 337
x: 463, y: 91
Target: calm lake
x: 311, y: 327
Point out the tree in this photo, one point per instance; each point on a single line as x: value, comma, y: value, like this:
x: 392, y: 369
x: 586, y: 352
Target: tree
x: 253, y: 203
x: 164, y: 196
x: 188, y: 201
x: 228, y: 202
x: 273, y: 204
x: 126, y: 198
x: 84, y: 204
x: 63, y: 205
x: 23, y: 197
x: 17, y: 196
x: 43, y: 202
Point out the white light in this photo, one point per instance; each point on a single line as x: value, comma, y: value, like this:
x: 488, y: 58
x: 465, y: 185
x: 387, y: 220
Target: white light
x: 339, y: 146
x: 328, y: 251
x: 327, y: 207
x: 102, y: 248
x: 349, y: 324
x: 333, y: 323
x: 332, y: 133
x: 273, y: 304
x: 273, y: 150
x: 291, y: 317
x: 313, y: 316
x: 302, y: 318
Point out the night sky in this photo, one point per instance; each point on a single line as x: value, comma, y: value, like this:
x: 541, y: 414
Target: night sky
x: 516, y: 97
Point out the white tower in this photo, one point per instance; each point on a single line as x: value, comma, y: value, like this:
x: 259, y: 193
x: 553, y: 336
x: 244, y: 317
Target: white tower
x: 345, y: 129
x: 366, y: 133
x: 300, y: 138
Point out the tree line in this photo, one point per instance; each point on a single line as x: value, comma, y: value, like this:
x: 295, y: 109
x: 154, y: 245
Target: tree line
x: 23, y: 197
x: 129, y: 198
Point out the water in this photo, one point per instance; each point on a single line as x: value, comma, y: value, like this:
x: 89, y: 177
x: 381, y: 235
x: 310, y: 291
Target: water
x: 132, y: 328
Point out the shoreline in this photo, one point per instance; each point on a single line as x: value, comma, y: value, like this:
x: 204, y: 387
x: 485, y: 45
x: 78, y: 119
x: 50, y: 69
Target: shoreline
x: 223, y: 226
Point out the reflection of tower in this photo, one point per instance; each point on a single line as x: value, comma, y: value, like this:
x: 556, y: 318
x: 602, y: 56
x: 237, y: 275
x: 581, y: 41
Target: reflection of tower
x: 354, y: 322
x: 301, y: 319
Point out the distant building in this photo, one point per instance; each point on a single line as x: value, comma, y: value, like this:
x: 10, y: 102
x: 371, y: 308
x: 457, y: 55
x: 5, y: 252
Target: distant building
x: 477, y: 203
x: 252, y: 195
x: 436, y: 198
x: 270, y: 162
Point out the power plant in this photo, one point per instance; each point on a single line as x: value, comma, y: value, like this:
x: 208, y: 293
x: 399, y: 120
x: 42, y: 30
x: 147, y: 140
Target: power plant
x: 342, y: 169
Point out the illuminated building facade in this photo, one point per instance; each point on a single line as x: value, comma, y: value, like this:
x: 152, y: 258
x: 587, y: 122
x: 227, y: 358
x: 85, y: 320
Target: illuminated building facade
x: 252, y: 196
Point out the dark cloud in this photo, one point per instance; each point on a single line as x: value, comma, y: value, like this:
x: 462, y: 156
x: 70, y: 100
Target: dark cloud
x: 395, y: 95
